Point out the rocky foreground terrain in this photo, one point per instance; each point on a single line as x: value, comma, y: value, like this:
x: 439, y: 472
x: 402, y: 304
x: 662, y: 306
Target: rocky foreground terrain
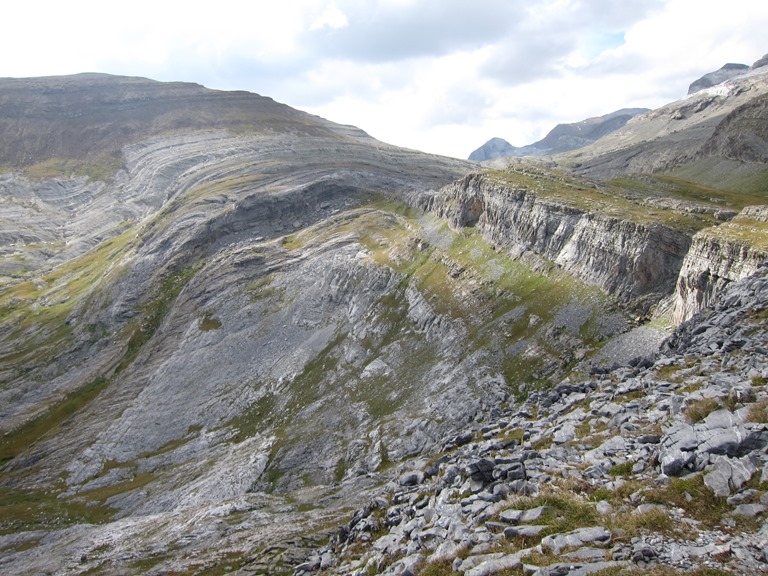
x: 235, y: 337
x: 658, y: 464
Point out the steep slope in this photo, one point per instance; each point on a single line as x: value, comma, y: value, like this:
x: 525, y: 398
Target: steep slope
x: 561, y: 138
x: 252, y: 341
x: 215, y: 350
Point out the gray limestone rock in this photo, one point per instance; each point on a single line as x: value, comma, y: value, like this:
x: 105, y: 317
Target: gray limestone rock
x: 749, y: 510
x: 492, y: 566
x: 728, y: 475
x: 557, y: 542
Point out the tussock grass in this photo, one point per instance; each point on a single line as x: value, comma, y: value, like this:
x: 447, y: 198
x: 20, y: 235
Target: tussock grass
x: 758, y: 412
x: 697, y: 410
x: 25, y: 510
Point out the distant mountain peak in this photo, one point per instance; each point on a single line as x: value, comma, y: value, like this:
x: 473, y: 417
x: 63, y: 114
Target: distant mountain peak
x: 760, y: 63
x: 710, y: 79
x: 561, y: 138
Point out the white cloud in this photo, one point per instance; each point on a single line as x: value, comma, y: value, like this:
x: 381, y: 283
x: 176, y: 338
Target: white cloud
x: 439, y: 75
x: 332, y: 18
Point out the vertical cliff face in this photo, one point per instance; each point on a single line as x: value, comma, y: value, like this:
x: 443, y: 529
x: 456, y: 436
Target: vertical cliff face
x: 636, y: 262
x: 719, y: 256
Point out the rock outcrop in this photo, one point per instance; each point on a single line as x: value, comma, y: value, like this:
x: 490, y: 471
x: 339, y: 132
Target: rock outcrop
x: 222, y: 335
x: 719, y: 256
x: 760, y: 63
x: 672, y: 136
x: 494, y: 148
x: 638, y: 263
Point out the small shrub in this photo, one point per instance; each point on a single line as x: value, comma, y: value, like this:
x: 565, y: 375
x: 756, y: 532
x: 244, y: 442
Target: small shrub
x: 758, y: 381
x: 623, y: 469
x: 697, y: 410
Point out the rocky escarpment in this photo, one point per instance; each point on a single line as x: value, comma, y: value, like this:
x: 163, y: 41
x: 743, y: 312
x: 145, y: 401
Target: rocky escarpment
x: 636, y: 262
x: 246, y: 378
x: 727, y: 72
x: 719, y: 256
x: 659, y: 465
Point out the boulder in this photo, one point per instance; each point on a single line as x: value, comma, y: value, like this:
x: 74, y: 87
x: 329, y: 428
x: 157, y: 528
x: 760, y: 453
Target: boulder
x: 728, y: 475
x: 481, y: 470
x: 595, y: 534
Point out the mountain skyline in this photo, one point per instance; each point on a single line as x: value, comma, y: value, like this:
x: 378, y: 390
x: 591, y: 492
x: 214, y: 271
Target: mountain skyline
x: 438, y: 77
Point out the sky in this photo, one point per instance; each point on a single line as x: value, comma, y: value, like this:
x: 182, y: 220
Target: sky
x: 442, y: 76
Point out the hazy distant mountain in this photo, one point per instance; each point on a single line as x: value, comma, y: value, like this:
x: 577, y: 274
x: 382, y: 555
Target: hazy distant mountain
x: 760, y: 63
x: 561, y: 138
x: 713, y: 78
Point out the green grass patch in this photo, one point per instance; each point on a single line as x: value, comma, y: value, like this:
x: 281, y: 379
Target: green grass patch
x: 623, y: 469
x: 608, y: 200
x: 669, y: 185
x: 17, y: 441
x: 262, y: 289
x: 562, y: 513
x: 742, y: 230
x: 26, y: 510
x: 101, y: 169
x: 39, y: 310
x: 254, y: 419
x: 105, y: 492
x: 739, y: 183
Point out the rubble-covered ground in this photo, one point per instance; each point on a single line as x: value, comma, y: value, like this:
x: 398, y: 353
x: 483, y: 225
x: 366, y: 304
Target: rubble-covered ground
x: 657, y: 467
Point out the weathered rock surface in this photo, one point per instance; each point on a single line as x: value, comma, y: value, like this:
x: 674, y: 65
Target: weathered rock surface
x: 637, y: 263
x: 484, y: 523
x: 717, y: 257
x: 673, y: 136
x: 233, y: 343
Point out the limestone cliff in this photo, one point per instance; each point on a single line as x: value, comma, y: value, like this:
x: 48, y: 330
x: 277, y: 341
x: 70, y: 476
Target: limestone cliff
x: 719, y: 256
x: 637, y: 262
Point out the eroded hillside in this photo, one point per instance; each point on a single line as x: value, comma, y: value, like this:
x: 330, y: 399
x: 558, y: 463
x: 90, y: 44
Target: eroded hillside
x: 216, y: 348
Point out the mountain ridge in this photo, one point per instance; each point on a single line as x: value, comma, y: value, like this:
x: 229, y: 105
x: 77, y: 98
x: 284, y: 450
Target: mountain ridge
x: 244, y: 333
x: 561, y: 138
